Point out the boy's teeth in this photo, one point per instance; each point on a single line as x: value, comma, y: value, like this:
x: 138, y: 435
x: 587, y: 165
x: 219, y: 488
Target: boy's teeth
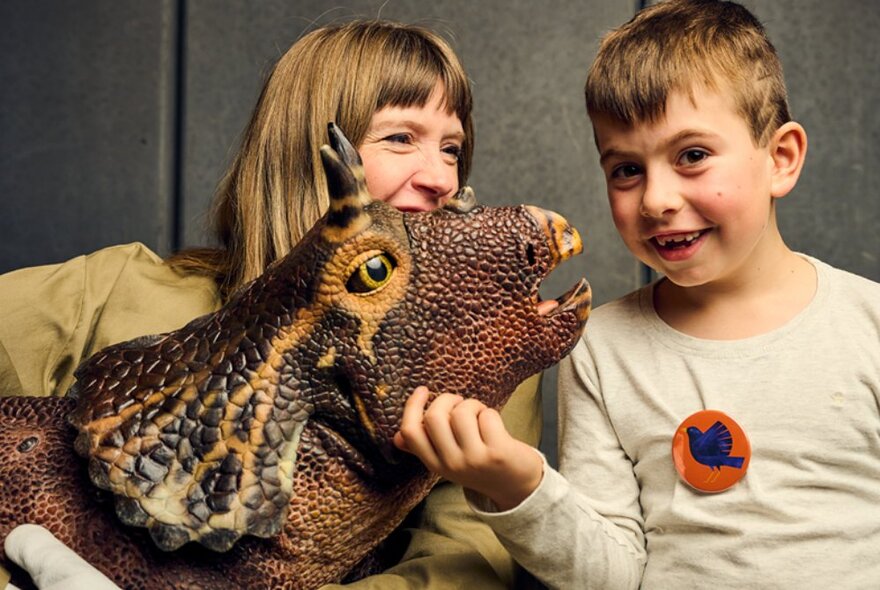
x: 679, y: 238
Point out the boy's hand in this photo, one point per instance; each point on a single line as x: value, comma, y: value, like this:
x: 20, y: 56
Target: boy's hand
x: 465, y: 441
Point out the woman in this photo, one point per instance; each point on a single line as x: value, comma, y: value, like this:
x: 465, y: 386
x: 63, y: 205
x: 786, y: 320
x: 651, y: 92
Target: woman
x: 400, y: 95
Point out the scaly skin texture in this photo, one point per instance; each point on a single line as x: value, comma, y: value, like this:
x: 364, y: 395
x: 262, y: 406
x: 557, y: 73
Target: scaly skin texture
x: 264, y: 430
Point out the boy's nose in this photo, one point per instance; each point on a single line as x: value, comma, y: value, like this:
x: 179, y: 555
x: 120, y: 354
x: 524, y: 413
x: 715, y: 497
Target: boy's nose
x: 659, y: 199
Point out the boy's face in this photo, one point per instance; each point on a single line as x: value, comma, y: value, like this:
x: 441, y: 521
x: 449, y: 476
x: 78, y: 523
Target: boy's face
x: 690, y: 193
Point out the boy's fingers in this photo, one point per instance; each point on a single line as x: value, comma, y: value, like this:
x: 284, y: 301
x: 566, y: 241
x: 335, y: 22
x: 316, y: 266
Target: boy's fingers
x: 427, y: 433
x: 437, y: 414
x: 466, y: 427
x: 439, y: 428
x: 400, y: 442
x: 443, y: 404
x: 418, y: 398
x: 412, y: 437
x: 413, y: 410
x: 492, y: 427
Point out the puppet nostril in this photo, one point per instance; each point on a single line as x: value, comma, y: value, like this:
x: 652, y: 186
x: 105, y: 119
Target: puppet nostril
x: 530, y: 255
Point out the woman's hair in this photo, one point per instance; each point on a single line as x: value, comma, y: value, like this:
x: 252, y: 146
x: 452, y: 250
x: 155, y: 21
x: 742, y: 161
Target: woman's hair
x: 275, y: 189
x: 680, y: 45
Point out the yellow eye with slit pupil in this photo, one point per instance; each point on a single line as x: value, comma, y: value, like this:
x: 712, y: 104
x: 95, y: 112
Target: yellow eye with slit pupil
x: 371, y: 275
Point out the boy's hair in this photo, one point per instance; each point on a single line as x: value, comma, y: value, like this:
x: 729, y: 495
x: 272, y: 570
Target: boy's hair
x: 678, y: 45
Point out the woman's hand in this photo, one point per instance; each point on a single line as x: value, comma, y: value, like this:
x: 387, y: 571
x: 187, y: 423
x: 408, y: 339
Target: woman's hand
x: 465, y: 441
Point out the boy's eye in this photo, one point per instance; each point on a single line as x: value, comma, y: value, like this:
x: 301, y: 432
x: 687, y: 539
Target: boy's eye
x: 691, y: 157
x: 625, y: 171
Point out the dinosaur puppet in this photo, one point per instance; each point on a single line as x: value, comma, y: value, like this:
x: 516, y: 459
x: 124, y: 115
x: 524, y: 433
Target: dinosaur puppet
x: 263, y: 431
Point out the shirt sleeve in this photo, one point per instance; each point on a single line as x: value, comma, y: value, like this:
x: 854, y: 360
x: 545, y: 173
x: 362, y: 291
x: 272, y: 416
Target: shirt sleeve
x: 40, y: 329
x: 55, y: 316
x: 449, y: 547
x: 582, y: 526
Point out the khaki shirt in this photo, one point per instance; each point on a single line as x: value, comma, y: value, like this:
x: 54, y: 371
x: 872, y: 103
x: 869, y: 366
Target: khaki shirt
x: 53, y: 317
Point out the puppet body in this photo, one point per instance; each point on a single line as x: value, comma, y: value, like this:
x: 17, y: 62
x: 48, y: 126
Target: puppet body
x: 252, y: 447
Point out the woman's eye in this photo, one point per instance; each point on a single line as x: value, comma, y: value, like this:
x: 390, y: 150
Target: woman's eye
x: 625, y: 171
x: 371, y: 275
x: 452, y: 153
x: 400, y: 138
x: 691, y: 157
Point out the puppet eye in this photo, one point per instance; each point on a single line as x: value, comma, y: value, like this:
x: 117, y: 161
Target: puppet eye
x: 371, y: 275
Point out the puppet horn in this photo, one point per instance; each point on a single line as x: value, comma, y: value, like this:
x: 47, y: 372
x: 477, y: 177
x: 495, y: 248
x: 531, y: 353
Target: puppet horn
x: 347, y: 187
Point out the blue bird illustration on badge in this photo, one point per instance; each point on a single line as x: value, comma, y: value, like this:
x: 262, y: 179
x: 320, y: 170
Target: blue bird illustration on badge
x: 712, y: 448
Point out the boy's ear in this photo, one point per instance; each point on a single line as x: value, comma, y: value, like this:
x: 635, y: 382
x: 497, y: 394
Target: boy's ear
x: 788, y: 148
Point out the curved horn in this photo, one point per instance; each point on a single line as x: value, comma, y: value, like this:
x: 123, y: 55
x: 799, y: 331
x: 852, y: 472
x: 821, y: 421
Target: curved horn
x: 343, y: 147
x: 347, y: 187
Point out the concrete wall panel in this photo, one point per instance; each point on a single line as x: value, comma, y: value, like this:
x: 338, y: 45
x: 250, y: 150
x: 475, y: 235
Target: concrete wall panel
x: 87, y: 109
x: 101, y: 145
x: 831, y: 56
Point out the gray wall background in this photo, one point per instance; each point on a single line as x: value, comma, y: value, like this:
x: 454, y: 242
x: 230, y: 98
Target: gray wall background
x: 117, y: 119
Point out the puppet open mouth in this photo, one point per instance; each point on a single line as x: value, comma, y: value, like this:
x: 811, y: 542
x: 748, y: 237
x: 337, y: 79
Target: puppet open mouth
x: 576, y: 299
x: 563, y: 241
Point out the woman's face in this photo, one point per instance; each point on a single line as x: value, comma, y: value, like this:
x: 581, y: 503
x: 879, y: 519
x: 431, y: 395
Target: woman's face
x: 411, y: 154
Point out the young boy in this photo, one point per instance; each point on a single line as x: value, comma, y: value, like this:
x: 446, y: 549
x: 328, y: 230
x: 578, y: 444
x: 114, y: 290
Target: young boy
x: 720, y: 427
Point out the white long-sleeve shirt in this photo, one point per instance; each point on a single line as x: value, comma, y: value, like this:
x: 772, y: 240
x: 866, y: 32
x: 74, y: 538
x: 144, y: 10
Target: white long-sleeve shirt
x: 807, y: 395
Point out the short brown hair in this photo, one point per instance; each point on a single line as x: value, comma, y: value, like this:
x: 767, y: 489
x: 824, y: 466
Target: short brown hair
x: 677, y: 45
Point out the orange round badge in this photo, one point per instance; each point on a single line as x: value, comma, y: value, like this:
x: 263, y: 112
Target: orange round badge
x: 710, y: 451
